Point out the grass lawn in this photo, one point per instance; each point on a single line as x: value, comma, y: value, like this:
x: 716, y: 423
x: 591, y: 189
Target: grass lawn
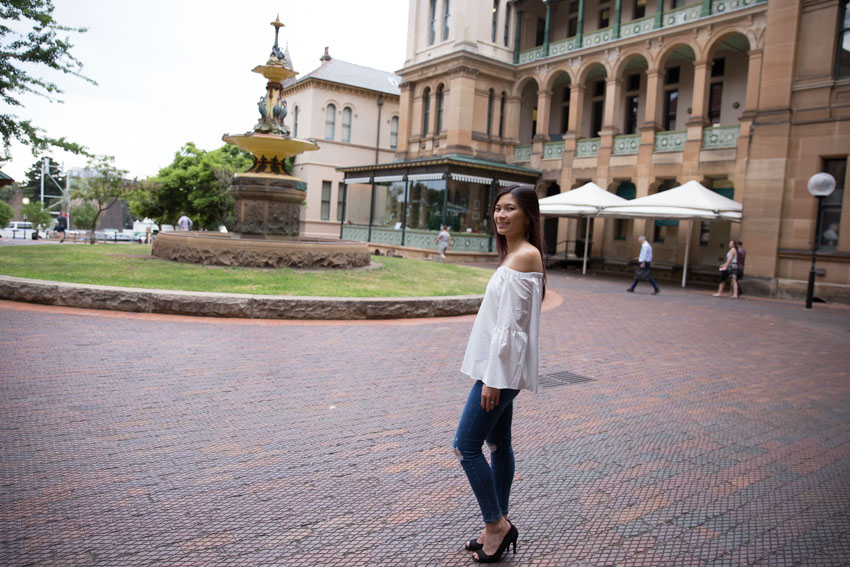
x: 131, y: 265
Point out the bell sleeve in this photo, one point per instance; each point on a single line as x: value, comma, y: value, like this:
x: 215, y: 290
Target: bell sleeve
x: 509, y: 338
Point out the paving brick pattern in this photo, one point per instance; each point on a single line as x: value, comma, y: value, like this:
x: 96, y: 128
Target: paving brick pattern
x: 714, y: 432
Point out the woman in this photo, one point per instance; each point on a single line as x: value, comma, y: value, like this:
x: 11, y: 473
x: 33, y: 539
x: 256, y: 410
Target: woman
x: 729, y: 269
x: 502, y: 359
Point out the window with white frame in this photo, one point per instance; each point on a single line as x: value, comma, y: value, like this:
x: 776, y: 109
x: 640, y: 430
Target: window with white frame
x: 346, y: 124
x: 295, y: 123
x: 495, y: 25
x: 330, y: 121
x: 432, y: 23
x: 446, y: 11
x: 326, y: 200
x: 394, y: 132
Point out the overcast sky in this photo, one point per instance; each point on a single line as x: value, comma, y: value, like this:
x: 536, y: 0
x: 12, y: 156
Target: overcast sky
x: 175, y: 71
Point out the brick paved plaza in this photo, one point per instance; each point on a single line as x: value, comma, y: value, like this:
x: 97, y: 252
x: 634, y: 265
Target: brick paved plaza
x: 713, y: 432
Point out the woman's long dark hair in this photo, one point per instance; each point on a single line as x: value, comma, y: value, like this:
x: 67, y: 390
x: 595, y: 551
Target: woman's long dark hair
x: 528, y: 201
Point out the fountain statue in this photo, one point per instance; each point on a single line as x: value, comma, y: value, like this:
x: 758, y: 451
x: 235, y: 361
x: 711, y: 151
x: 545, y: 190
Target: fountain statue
x: 268, y: 199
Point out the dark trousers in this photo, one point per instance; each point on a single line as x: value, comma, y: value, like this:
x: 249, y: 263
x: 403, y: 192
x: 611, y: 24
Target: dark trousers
x: 651, y: 279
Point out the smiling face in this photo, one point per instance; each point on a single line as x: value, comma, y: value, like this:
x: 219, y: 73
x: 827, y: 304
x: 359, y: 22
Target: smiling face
x: 509, y: 218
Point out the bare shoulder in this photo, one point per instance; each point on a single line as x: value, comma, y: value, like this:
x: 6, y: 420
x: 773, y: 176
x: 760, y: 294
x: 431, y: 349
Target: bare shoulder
x: 526, y: 259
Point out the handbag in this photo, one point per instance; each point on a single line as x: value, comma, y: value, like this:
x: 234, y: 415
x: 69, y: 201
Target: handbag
x: 642, y: 274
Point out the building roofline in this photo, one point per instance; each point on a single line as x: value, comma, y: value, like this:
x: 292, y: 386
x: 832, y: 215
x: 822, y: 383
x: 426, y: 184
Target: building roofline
x: 449, y: 159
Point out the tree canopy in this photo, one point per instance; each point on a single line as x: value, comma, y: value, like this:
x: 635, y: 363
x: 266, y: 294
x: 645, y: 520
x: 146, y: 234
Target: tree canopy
x: 103, y: 188
x: 40, y: 47
x: 196, y: 182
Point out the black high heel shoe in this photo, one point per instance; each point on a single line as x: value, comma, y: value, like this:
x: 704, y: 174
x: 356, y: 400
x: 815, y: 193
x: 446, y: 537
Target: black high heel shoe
x: 510, y: 538
x: 473, y: 545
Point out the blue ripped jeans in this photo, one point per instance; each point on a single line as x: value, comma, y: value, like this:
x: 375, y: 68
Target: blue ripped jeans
x: 491, y: 483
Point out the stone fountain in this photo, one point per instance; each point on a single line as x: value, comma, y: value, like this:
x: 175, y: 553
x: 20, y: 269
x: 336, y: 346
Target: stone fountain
x: 268, y: 198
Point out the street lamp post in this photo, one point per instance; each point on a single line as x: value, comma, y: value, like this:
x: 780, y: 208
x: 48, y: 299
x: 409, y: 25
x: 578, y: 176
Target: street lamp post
x: 820, y: 185
x: 25, y: 201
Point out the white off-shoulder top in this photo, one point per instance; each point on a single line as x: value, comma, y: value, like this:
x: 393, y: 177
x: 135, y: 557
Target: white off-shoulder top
x: 502, y: 348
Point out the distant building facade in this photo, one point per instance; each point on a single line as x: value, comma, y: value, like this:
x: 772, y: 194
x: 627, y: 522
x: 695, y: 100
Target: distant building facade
x: 352, y: 113
x: 748, y: 97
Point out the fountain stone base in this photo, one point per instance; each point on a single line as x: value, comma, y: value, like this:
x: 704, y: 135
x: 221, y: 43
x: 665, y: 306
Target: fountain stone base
x: 267, y: 206
x: 268, y: 211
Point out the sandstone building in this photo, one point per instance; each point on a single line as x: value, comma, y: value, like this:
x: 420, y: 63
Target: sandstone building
x: 352, y: 113
x: 749, y: 97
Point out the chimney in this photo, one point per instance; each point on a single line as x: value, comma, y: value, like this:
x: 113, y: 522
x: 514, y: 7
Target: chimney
x: 326, y: 56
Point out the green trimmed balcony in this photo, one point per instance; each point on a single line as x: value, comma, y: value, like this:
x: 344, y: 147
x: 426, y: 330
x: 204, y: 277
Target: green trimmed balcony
x: 645, y: 25
x: 553, y: 150
x: 670, y: 141
x: 626, y: 145
x: 718, y: 137
x: 523, y: 153
x: 587, y: 147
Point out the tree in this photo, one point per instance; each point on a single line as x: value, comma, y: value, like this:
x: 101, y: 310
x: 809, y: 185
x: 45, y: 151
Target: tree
x: 196, y: 182
x: 101, y: 190
x: 21, y: 52
x: 35, y: 213
x: 82, y: 216
x: 6, y: 214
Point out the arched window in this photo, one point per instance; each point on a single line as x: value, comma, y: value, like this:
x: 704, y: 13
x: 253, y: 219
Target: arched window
x: 502, y: 115
x: 426, y: 111
x: 394, y: 132
x: 295, y: 123
x: 495, y: 20
x: 346, y: 124
x: 446, y: 5
x: 330, y: 122
x: 440, y: 98
x: 432, y: 29
x: 490, y: 98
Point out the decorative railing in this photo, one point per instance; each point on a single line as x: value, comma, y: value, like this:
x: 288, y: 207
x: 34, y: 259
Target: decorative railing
x: 523, y: 153
x: 626, y: 145
x: 637, y: 27
x: 723, y: 6
x: 679, y: 16
x: 720, y: 137
x: 588, y: 147
x: 355, y: 232
x: 461, y: 241
x: 562, y: 46
x: 595, y: 38
x: 670, y: 141
x: 532, y: 55
x: 553, y: 150
x: 414, y: 238
x: 682, y: 15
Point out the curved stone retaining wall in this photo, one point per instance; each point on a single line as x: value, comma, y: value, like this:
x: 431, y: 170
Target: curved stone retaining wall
x: 233, y: 304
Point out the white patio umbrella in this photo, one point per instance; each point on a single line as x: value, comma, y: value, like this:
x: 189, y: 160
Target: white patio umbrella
x: 584, y: 201
x: 691, y: 201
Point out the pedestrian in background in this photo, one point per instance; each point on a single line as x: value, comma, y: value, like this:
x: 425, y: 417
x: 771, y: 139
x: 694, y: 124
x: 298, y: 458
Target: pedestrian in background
x: 645, y: 259
x: 742, y: 256
x: 61, y: 226
x: 501, y: 357
x: 184, y: 222
x: 443, y: 241
x: 729, y: 270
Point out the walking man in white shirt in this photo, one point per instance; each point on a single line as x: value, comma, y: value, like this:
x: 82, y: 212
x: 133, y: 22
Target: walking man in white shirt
x: 184, y: 222
x: 645, y: 260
